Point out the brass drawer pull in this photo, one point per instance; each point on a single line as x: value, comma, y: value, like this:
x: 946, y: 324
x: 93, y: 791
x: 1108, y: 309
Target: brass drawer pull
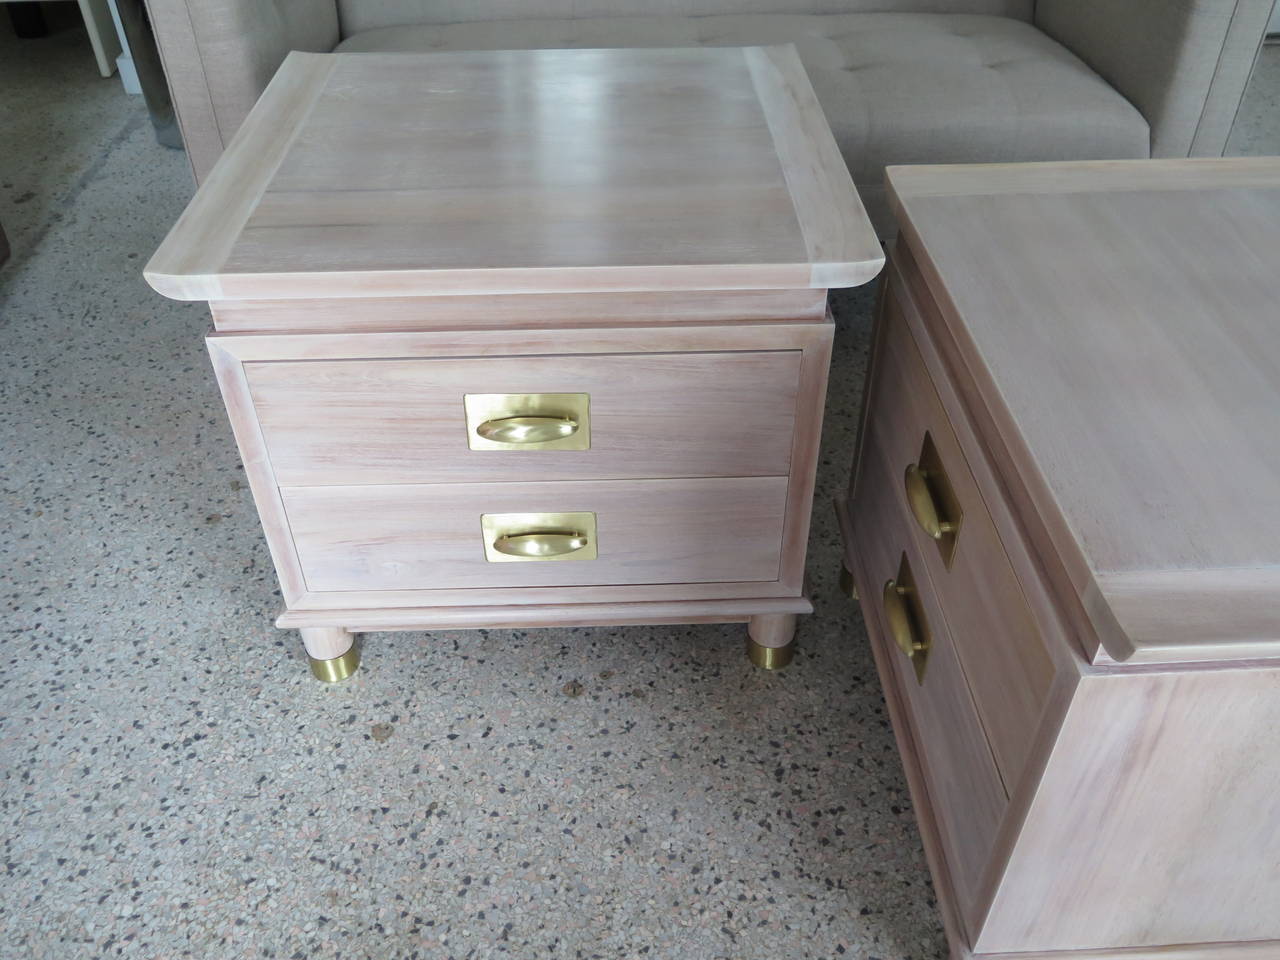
x: 528, y: 429
x: 922, y: 506
x: 907, y: 625
x: 528, y: 421
x: 524, y: 537
x: 545, y: 545
x: 933, y: 501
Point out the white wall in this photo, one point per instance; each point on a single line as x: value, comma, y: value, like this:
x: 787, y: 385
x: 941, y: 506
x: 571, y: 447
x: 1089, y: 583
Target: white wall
x: 1275, y: 21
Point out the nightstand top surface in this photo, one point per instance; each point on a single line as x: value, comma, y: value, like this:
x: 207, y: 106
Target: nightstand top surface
x: 545, y: 171
x: 1120, y: 325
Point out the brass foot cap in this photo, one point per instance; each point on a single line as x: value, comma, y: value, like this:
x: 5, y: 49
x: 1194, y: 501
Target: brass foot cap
x: 770, y: 658
x: 847, y: 586
x: 339, y: 668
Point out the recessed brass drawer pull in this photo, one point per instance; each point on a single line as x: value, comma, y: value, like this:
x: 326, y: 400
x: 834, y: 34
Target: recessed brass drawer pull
x: 542, y: 545
x: 907, y: 624
x: 922, y: 506
x: 528, y: 429
x: 524, y: 537
x: 932, y: 501
x: 528, y: 421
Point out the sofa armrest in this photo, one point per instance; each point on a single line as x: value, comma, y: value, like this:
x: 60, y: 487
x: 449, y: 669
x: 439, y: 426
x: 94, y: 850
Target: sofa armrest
x: 1183, y: 63
x: 218, y: 56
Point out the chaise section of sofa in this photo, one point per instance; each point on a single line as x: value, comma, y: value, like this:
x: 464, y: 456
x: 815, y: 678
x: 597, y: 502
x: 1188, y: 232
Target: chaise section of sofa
x: 896, y: 87
x: 901, y: 81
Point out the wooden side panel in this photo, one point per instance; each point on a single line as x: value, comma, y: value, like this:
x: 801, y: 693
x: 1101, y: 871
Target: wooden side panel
x: 406, y: 537
x: 257, y: 467
x: 651, y: 415
x: 1157, y: 820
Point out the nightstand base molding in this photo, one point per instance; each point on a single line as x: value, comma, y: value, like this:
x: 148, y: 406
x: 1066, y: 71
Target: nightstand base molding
x: 521, y: 616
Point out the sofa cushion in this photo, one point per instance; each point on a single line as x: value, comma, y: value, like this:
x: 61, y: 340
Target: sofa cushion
x: 358, y: 15
x: 896, y: 87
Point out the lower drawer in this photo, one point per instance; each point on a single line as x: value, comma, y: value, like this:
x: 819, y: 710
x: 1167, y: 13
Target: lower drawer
x: 429, y: 536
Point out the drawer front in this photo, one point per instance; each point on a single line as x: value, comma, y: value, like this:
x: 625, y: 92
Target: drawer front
x: 429, y: 536
x: 1004, y: 658
x: 346, y: 422
x: 965, y: 791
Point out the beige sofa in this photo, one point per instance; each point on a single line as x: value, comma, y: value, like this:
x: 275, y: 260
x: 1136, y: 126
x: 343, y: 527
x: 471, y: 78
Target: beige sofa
x: 902, y: 81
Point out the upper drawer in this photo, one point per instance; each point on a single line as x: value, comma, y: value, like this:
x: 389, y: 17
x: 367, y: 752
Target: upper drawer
x: 1004, y: 658
x: 650, y: 415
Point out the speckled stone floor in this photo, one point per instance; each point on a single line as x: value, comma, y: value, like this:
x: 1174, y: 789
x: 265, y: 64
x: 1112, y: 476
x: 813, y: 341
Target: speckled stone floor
x: 172, y: 783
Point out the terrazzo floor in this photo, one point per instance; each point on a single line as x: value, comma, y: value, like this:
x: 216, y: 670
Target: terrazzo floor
x: 172, y: 782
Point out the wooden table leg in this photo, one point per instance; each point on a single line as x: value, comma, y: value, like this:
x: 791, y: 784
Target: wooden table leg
x: 333, y: 652
x: 771, y: 639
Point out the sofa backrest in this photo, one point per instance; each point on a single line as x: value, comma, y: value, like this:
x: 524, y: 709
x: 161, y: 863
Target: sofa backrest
x: 358, y: 15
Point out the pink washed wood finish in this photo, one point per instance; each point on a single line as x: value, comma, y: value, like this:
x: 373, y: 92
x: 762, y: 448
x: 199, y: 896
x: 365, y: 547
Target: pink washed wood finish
x: 326, y: 643
x: 1004, y: 659
x: 1159, y: 813
x: 537, y: 310
x: 367, y: 175
x: 1156, y: 358
x: 654, y: 415
x: 1146, y: 814
x: 811, y: 340
x: 516, y: 616
x: 945, y: 727
x: 407, y: 536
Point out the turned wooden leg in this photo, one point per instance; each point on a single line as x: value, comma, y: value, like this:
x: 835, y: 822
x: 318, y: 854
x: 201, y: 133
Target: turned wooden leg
x: 771, y: 639
x: 333, y: 652
x: 847, y: 586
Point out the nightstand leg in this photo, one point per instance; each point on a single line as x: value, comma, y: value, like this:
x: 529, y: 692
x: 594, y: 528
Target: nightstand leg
x: 847, y: 586
x: 333, y: 652
x: 771, y: 639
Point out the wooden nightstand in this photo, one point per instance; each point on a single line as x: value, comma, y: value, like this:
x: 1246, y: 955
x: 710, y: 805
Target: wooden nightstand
x: 1064, y: 527
x: 528, y: 338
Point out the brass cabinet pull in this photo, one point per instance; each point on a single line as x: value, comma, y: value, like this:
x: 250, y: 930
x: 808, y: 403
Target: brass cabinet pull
x: 932, y: 500
x: 528, y: 429
x: 541, y: 545
x: 907, y: 625
x: 539, y: 537
x: 531, y: 422
x: 920, y: 498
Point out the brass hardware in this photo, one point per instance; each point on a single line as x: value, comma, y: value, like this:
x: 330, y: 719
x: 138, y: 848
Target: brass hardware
x: 338, y: 668
x: 907, y: 624
x: 847, y: 586
x: 525, y: 537
x: 528, y: 421
x: 540, y: 546
x: 933, y: 501
x: 517, y: 431
x: 770, y: 658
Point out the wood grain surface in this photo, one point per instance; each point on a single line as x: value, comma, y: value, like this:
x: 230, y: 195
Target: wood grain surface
x: 1004, y: 659
x: 537, y: 310
x: 525, y: 172
x: 1158, y: 819
x: 412, y: 536
x: 651, y: 415
x: 1122, y: 334
x: 967, y: 794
